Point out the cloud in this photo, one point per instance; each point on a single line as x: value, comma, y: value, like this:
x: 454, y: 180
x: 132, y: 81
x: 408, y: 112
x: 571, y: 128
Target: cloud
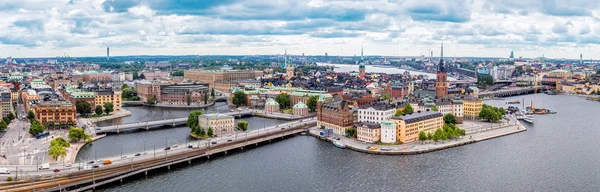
x: 35, y: 25
x: 336, y: 34
x: 560, y: 28
x: 450, y: 11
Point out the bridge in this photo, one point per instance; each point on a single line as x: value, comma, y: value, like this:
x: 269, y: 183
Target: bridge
x: 512, y: 92
x: 160, y: 123
x: 85, y: 180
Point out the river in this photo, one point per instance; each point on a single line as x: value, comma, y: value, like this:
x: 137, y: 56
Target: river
x: 557, y: 153
x: 345, y: 68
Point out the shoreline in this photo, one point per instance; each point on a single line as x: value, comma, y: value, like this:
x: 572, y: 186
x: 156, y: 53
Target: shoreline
x: 123, y: 113
x: 181, y: 106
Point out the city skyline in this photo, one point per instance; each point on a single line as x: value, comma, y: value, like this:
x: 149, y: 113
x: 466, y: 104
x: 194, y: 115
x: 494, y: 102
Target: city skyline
x: 486, y: 28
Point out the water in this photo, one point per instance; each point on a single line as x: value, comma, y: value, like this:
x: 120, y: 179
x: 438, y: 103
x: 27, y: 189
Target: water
x: 557, y: 153
x: 345, y: 68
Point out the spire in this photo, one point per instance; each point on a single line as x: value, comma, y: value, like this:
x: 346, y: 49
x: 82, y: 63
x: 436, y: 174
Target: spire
x: 361, y: 53
x: 441, y: 64
x: 442, y: 58
x: 285, y: 58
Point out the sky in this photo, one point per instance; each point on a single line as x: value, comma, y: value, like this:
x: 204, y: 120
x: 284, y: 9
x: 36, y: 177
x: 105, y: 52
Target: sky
x: 468, y: 28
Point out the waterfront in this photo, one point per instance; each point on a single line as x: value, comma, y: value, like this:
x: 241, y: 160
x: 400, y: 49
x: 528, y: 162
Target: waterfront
x: 345, y: 68
x: 528, y: 161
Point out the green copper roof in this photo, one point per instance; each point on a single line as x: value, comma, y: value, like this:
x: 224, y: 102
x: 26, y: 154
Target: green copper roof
x: 300, y: 105
x: 388, y: 123
x: 271, y: 101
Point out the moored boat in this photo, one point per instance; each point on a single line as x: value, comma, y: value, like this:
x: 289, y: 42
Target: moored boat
x: 339, y: 144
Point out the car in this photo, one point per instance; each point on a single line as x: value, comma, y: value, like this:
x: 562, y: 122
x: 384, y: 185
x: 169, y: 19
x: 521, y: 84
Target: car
x: 68, y: 165
x: 99, y: 160
x: 214, y: 142
x: 90, y: 162
x: 44, y: 166
x: 282, y: 128
x: 56, y: 170
x: 137, y: 154
x: 229, y: 135
x: 107, y: 162
x: 167, y: 148
x: 190, y: 146
x: 229, y: 140
x: 145, y: 153
x: 124, y: 157
x: 98, y: 129
x: 95, y: 166
x: 4, y: 171
x: 87, y: 167
x: 175, y: 146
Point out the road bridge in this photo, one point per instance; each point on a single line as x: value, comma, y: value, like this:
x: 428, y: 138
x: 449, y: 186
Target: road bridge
x: 512, y: 92
x: 160, y: 123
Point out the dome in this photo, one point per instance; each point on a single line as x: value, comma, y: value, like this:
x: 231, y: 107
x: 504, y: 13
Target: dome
x: 271, y: 101
x: 300, y: 105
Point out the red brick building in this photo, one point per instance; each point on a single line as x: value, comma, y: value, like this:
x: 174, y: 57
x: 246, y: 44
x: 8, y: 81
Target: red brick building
x: 335, y: 115
x: 395, y: 91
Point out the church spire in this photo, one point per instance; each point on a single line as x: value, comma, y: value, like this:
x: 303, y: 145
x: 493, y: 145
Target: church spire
x: 285, y: 58
x: 361, y: 53
x: 441, y: 64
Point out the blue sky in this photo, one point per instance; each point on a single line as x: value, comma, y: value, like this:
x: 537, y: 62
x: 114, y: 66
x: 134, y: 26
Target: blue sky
x: 555, y: 28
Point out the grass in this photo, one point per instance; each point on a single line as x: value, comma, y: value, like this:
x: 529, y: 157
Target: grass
x: 288, y: 111
x: 199, y: 137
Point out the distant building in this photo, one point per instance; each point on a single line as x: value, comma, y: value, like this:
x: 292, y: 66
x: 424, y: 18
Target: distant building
x: 271, y: 106
x: 441, y: 84
x: 221, y: 124
x: 210, y: 77
x: 408, y: 126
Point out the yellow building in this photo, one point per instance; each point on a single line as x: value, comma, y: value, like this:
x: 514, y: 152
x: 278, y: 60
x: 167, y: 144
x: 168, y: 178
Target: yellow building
x: 221, y: 124
x: 14, y: 95
x: 55, y: 113
x: 105, y: 96
x: 472, y: 107
x: 368, y: 132
x: 409, y: 126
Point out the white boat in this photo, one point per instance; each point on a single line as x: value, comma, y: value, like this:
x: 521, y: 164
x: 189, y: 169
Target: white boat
x: 528, y: 119
x: 339, y: 144
x: 519, y: 116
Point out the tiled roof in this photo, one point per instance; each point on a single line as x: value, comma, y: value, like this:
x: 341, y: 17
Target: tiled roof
x: 418, y: 116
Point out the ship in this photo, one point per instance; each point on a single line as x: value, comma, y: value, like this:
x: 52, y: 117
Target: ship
x: 339, y: 144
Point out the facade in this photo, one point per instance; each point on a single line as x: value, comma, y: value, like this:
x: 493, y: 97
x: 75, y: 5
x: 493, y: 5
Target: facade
x: 271, y: 106
x: 300, y: 109
x: 211, y: 76
x: 221, y: 124
x: 334, y: 115
x: 395, y: 90
x: 7, y: 103
x: 472, y: 106
x: 55, y: 113
x: 360, y: 99
x: 409, y: 126
x: 303, y: 96
x: 376, y: 112
x: 441, y: 83
x: 368, y: 132
x: 388, y: 132
x: 156, y: 75
x: 30, y: 98
x: 458, y: 110
x: 179, y: 94
x: 94, y: 77
x: 108, y: 96
x: 74, y: 95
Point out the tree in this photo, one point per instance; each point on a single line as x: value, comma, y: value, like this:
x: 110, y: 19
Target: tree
x: 435, y: 108
x: 408, y: 109
x: 242, y: 125
x: 188, y: 99
x: 11, y: 116
x: 36, y: 128
x: 429, y: 136
x: 142, y: 76
x: 151, y: 100
x: 205, y: 98
x: 212, y: 92
x: 135, y: 75
x: 312, y: 103
x: 284, y: 100
x: 351, y: 132
x: 6, y: 120
x: 3, y: 125
x: 84, y: 108
x: 422, y: 136
x: 239, y: 98
x: 125, y: 86
x: 491, y: 113
x: 98, y: 110
x: 56, y: 151
x: 386, y: 97
x: 209, y: 132
x: 108, y: 107
x: 30, y: 115
x: 179, y: 72
x: 199, y: 131
x: 77, y: 134
x: 399, y: 112
x: 449, y: 119
x: 192, y: 121
x: 60, y: 142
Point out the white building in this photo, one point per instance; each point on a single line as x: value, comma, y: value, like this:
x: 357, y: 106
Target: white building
x: 388, y: 132
x: 376, y: 112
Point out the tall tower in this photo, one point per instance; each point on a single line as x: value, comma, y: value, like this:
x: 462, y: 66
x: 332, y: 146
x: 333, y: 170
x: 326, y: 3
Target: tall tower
x: 441, y: 81
x: 361, y: 64
x: 289, y: 68
x: 107, y: 53
x: 581, y: 59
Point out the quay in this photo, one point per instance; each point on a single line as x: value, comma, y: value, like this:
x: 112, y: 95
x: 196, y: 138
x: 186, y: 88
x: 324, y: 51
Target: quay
x: 84, y: 180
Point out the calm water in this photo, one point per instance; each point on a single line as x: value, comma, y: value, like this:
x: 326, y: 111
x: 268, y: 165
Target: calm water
x: 345, y: 68
x: 558, y: 153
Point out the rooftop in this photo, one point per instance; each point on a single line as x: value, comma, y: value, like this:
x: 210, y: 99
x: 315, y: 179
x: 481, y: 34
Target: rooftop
x: 418, y: 116
x: 215, y: 116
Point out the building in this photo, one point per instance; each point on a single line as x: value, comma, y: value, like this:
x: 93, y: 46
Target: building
x: 7, y: 103
x: 472, y: 107
x: 176, y: 94
x: 55, y: 113
x: 95, y: 77
x: 289, y: 68
x: 156, y: 75
x: 334, y: 115
x: 303, y: 96
x: 396, y: 90
x: 221, y: 124
x: 108, y: 96
x: 368, y: 132
x: 29, y: 98
x: 388, y: 132
x: 441, y: 81
x: 211, y: 76
x: 376, y: 112
x: 74, y: 95
x: 271, y: 106
x: 300, y: 109
x: 458, y: 110
x: 361, y: 65
x: 360, y: 98
x: 408, y: 126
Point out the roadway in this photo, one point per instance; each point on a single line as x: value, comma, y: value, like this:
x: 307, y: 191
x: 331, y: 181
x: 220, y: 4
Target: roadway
x: 150, y: 153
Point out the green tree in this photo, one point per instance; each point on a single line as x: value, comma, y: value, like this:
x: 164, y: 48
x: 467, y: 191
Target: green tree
x: 35, y: 128
x: 108, y: 107
x: 98, y: 110
x: 399, y: 112
x: 30, y: 115
x: 3, y: 125
x: 179, y: 72
x: 77, y: 134
x: 429, y: 136
x: 142, y: 76
x: 449, y: 119
x: 312, y: 103
x: 435, y: 108
x: 151, y: 100
x: 386, y: 97
x: 135, y: 75
x: 6, y: 120
x: 212, y: 92
x: 408, y: 109
x: 284, y: 100
x: 239, y: 98
x: 60, y: 142
x: 205, y: 98
x: 128, y: 94
x: 83, y: 107
x: 11, y: 116
x: 210, y: 132
x: 422, y: 136
x: 124, y: 86
x: 351, y: 132
x: 192, y: 121
x: 199, y: 131
x: 242, y: 125
x: 56, y: 151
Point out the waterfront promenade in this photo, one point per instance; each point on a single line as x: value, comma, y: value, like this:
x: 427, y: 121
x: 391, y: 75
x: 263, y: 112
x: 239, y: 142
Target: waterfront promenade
x: 473, y: 135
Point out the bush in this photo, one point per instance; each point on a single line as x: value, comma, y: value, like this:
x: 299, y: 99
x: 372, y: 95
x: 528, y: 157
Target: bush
x: 9, y: 179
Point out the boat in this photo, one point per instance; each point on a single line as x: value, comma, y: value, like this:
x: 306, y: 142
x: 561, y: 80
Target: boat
x: 513, y: 102
x: 339, y: 144
x: 519, y: 116
x: 528, y: 119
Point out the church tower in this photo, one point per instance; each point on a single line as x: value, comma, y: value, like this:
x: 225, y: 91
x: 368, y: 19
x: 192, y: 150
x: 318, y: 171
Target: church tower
x: 361, y: 65
x: 441, y: 81
x: 289, y: 68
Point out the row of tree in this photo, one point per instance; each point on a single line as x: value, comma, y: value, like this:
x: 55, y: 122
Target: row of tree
x: 491, y: 113
x: 6, y: 120
x: 84, y: 108
x: 448, y: 131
